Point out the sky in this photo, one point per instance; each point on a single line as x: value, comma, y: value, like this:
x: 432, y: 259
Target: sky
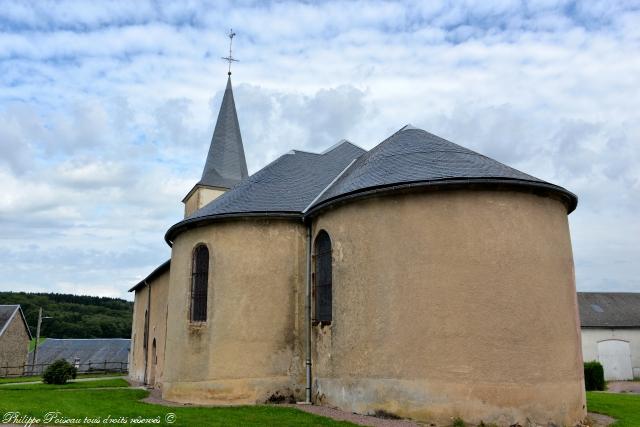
x: 107, y: 110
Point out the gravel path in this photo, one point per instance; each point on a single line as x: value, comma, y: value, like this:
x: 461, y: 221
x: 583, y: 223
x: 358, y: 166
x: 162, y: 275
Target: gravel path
x: 363, y: 420
x: 623, y: 387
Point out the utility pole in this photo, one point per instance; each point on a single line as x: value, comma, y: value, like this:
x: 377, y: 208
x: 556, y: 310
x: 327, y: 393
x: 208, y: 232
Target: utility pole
x: 35, y: 348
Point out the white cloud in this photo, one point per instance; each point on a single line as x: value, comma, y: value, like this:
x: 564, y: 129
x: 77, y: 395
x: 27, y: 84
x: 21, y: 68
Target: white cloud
x: 107, y: 109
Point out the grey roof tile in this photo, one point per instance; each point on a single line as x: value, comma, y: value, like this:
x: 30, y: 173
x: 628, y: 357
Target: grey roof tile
x: 609, y: 309
x: 226, y: 164
x: 286, y: 185
x: 95, y: 350
x: 410, y: 156
x: 414, y: 155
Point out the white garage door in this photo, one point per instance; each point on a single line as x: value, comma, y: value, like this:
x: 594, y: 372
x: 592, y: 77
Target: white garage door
x: 615, y: 356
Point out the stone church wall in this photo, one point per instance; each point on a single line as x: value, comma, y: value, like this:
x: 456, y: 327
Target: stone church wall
x: 14, y: 347
x: 445, y: 304
x: 142, y: 357
x: 249, y: 348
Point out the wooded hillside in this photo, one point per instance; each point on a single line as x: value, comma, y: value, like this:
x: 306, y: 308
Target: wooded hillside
x: 74, y: 316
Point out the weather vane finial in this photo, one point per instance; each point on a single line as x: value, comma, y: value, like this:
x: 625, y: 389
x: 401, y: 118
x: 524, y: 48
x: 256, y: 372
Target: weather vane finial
x: 230, y: 58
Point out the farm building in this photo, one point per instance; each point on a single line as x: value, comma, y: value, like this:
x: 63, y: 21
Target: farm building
x: 611, y: 332
x: 14, y: 340
x: 86, y: 354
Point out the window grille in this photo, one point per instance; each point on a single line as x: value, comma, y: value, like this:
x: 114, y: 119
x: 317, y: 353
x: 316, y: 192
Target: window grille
x: 323, y: 278
x: 199, y: 284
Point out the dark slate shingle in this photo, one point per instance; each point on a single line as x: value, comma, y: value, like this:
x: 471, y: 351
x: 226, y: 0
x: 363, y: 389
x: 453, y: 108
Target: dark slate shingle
x: 414, y: 155
x: 410, y: 156
x: 226, y: 164
x: 609, y: 309
x: 287, y: 185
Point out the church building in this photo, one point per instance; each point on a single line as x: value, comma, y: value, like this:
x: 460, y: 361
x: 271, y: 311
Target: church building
x: 418, y: 278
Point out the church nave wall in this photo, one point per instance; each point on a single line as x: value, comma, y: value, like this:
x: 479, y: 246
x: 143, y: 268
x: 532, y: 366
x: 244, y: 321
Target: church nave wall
x: 451, y: 303
x: 245, y: 351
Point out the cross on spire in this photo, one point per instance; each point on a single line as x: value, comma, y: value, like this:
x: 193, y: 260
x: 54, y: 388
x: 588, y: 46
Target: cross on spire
x: 230, y: 58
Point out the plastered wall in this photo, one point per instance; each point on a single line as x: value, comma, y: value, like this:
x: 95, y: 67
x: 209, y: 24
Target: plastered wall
x: 199, y: 197
x: 446, y: 304
x: 139, y: 357
x: 248, y: 350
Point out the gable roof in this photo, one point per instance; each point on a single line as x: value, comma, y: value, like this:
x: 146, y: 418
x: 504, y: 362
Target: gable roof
x: 165, y: 266
x: 299, y: 184
x: 8, y: 313
x: 225, y: 165
x: 414, y: 156
x: 609, y: 309
x: 88, y: 350
x: 285, y: 187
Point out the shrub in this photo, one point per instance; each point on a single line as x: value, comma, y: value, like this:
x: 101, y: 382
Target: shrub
x: 458, y: 422
x: 593, y: 376
x: 59, y: 372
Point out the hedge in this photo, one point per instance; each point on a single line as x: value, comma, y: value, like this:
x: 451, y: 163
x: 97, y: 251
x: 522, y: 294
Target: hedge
x: 594, y: 376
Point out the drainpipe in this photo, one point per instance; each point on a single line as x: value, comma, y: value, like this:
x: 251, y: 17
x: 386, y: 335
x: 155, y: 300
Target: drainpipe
x: 145, y: 334
x: 307, y: 306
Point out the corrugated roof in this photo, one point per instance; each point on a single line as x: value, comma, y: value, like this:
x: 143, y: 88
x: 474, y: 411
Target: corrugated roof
x: 413, y: 155
x: 609, y: 309
x: 95, y: 350
x: 301, y: 183
x: 226, y: 164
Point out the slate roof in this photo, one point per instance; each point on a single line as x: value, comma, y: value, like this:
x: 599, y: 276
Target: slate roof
x: 299, y: 184
x: 88, y: 350
x: 413, y: 155
x: 8, y: 313
x: 284, y: 187
x: 609, y: 309
x: 226, y: 164
x: 165, y: 266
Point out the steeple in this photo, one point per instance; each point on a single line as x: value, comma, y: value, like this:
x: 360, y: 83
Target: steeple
x: 225, y: 165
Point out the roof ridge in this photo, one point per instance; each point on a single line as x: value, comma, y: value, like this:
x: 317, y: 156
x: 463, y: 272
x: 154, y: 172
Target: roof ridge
x: 333, y: 181
x: 339, y: 144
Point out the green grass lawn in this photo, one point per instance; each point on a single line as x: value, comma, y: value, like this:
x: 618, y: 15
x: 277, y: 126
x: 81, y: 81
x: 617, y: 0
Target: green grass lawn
x: 622, y: 406
x: 38, y: 399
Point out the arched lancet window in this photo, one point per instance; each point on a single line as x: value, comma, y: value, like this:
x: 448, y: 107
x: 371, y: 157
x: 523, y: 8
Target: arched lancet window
x: 145, y: 332
x: 154, y: 354
x: 323, y: 277
x: 199, y: 283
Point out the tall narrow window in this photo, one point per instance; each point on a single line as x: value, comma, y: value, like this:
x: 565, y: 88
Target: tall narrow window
x: 323, y: 278
x: 199, y: 283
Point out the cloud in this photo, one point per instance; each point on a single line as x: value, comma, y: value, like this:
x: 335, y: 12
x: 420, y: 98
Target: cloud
x: 107, y: 111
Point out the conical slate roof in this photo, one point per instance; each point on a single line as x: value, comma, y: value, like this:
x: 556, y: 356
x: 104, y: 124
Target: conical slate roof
x: 414, y: 156
x: 285, y: 187
x: 226, y: 164
x: 300, y: 184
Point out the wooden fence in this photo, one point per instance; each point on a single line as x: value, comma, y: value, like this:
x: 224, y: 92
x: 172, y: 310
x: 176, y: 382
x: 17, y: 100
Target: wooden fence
x: 30, y: 369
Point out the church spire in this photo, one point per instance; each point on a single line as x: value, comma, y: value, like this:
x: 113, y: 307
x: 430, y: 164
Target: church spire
x: 225, y: 165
